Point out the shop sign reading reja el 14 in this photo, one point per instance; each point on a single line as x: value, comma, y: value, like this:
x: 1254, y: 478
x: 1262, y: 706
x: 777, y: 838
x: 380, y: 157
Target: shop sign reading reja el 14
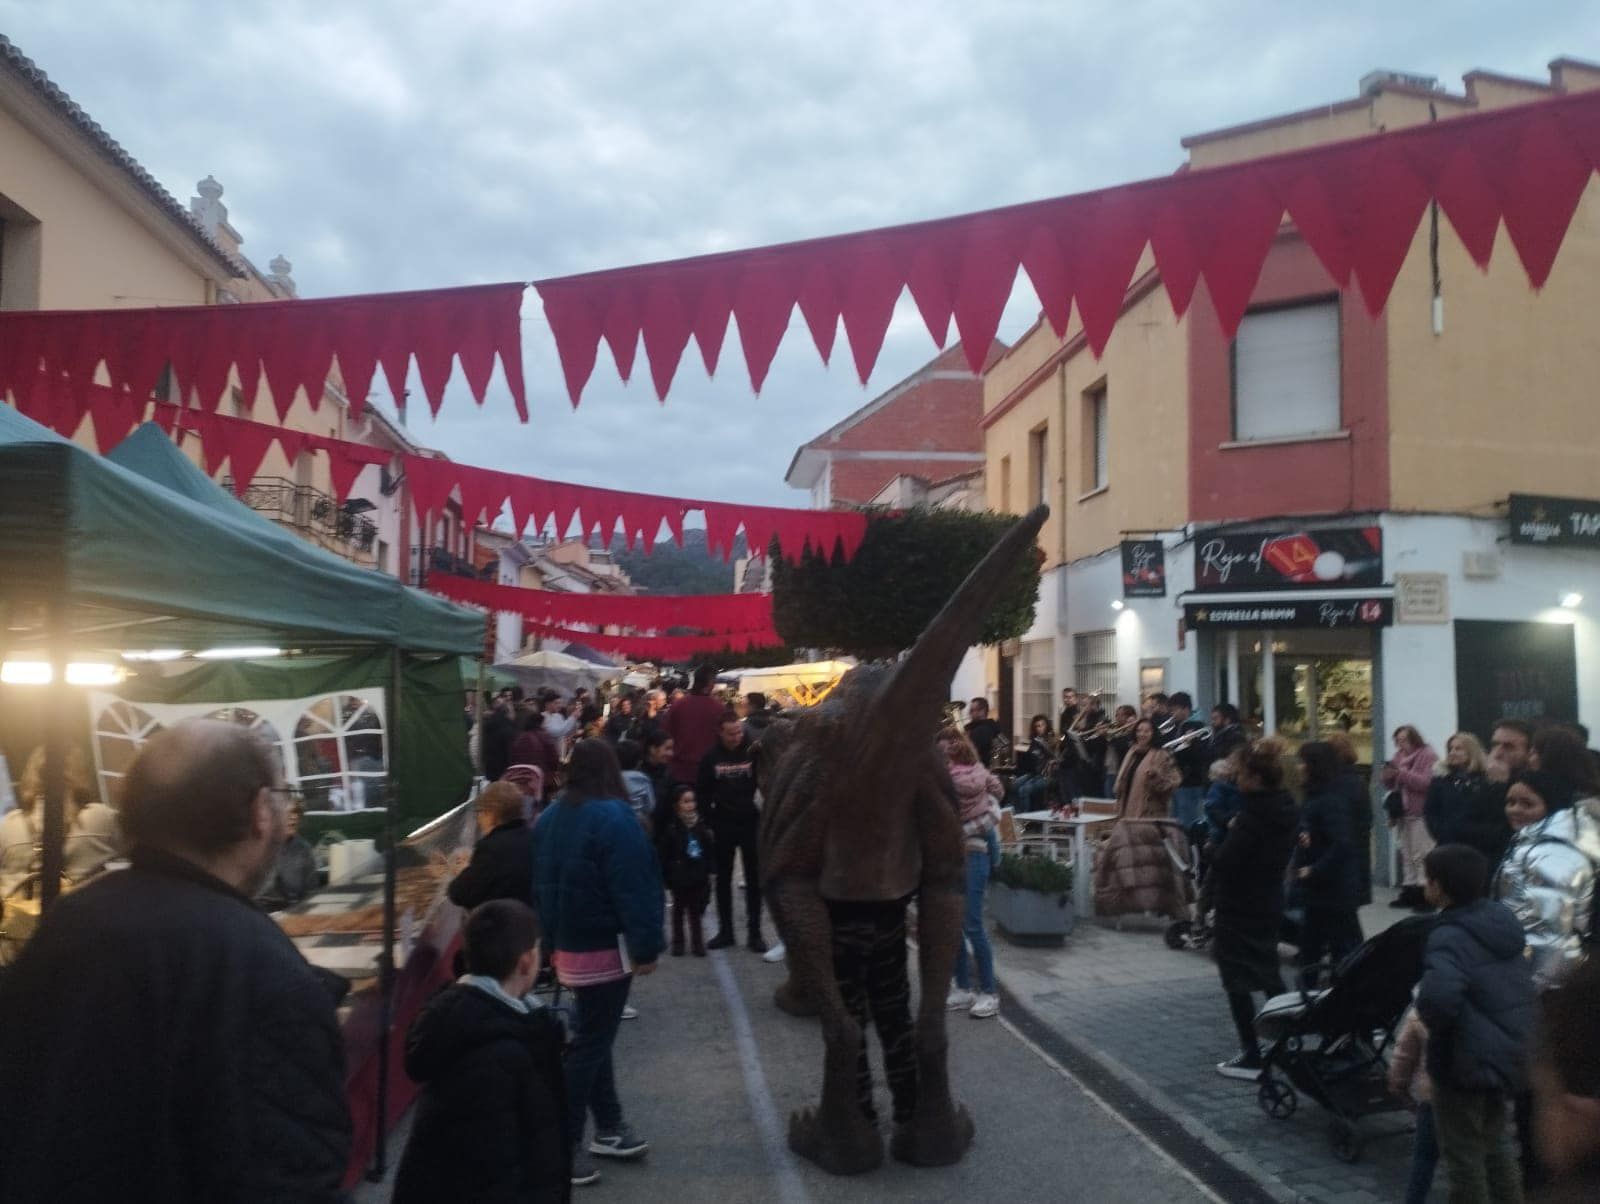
x: 1555, y: 522
x: 1326, y: 558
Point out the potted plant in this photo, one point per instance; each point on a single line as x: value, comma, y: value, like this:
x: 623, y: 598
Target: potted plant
x: 1030, y: 899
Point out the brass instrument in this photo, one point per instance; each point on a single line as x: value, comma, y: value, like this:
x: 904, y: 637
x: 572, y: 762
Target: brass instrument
x: 1197, y: 735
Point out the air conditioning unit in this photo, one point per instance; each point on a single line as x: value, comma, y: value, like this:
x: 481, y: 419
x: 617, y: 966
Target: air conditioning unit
x: 1480, y: 566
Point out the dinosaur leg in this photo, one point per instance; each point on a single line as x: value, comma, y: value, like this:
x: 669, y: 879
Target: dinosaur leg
x: 789, y: 997
x: 940, y: 1130
x: 837, y: 1134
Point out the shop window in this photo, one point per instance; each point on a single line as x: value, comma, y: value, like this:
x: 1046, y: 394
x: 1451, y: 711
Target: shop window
x: 120, y: 731
x: 1037, y: 665
x: 1096, y: 439
x: 1286, y: 372
x: 339, y: 756
x: 1038, y: 466
x: 1094, y: 665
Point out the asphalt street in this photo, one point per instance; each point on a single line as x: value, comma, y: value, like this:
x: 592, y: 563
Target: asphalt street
x: 711, y: 1070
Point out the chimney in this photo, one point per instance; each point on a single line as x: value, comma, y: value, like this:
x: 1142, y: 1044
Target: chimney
x: 208, y: 208
x: 281, y: 281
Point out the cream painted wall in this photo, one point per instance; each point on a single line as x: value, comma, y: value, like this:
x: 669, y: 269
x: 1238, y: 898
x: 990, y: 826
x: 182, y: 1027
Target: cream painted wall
x: 1504, y: 399
x: 1145, y: 368
x: 94, y: 254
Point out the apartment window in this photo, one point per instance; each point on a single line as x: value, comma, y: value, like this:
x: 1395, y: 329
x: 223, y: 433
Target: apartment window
x: 383, y: 556
x: 1038, y: 465
x: 1036, y: 664
x: 20, y: 256
x: 1005, y: 484
x: 1286, y: 372
x: 1094, y: 665
x: 1096, y: 439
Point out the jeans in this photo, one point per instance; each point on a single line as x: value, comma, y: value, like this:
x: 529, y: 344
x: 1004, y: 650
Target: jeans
x: 1424, y: 1157
x: 972, y: 929
x: 1187, y: 802
x: 1031, y: 792
x: 1472, y: 1139
x: 738, y: 837
x: 591, y: 1079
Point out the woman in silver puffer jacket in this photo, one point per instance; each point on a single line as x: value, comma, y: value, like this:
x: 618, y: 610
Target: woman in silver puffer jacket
x: 1548, y: 876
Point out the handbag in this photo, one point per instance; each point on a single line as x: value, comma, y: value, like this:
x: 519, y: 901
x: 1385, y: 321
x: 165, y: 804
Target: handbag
x: 1393, y: 805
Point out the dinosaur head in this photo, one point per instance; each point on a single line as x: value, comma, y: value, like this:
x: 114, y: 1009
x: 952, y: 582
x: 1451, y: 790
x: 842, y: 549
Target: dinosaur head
x: 918, y: 686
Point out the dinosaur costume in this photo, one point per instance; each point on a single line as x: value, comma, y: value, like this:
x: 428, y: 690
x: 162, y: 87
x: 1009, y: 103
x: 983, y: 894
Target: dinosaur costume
x: 859, y: 810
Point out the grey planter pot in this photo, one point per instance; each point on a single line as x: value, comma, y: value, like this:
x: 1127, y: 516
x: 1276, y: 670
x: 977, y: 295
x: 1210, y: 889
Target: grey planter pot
x: 1027, y: 917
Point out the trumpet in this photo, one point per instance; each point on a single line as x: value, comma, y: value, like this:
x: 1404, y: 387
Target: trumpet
x: 1110, y: 731
x: 1188, y: 738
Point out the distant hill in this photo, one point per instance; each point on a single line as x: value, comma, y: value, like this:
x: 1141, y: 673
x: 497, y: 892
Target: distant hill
x: 669, y: 569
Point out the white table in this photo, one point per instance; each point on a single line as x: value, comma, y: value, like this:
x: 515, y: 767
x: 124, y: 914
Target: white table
x: 1078, y: 827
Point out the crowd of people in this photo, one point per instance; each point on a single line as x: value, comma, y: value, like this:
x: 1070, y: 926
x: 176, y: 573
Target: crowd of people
x: 1501, y: 847
x: 227, y: 1075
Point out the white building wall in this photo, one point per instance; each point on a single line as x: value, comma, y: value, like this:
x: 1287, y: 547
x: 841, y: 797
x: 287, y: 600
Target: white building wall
x: 1147, y: 628
x: 1419, y: 663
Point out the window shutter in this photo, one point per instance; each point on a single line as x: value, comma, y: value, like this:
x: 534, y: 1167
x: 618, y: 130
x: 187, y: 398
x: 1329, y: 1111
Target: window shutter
x: 1286, y: 372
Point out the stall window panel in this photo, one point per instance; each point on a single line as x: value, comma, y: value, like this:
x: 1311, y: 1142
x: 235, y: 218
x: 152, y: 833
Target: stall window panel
x: 1286, y: 372
x: 120, y: 731
x: 1037, y: 666
x: 339, y: 755
x: 1094, y: 660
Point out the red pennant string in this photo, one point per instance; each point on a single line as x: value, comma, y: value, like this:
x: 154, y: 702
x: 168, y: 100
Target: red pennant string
x: 535, y: 501
x: 1357, y: 204
x: 293, y: 342
x: 642, y: 612
x: 247, y: 444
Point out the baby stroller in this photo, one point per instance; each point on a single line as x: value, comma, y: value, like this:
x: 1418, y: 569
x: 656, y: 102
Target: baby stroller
x: 1330, y: 1040
x: 1194, y: 931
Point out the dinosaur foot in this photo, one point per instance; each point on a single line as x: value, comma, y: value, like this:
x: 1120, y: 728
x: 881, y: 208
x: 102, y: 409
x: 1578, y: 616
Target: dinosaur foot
x: 791, y: 999
x: 849, y: 1149
x: 936, y: 1139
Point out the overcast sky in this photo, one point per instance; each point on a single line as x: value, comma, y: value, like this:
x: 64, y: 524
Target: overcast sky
x: 401, y: 145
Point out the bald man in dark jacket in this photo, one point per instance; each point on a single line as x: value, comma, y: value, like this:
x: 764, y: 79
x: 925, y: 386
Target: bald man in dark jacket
x: 161, y: 1039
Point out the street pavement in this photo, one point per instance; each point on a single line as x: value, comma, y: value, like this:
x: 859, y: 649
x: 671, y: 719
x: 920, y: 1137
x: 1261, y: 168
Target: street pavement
x: 1117, y: 1004
x: 711, y: 1070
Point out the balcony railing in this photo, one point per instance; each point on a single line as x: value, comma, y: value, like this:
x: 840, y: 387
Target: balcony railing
x: 314, y: 513
x: 431, y: 559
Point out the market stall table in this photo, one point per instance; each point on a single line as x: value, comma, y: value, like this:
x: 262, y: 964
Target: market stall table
x: 1076, y: 828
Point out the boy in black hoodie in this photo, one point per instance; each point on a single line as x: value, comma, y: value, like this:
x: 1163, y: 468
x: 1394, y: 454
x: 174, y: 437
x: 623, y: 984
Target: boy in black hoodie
x: 1476, y: 998
x: 491, y: 1124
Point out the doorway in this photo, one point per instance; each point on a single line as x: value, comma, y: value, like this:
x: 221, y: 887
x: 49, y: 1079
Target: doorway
x: 1322, y: 682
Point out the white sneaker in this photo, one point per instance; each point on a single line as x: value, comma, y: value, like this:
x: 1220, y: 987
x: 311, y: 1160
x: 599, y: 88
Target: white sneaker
x: 774, y: 954
x: 958, y: 999
x: 629, y: 1012
x: 985, y: 1006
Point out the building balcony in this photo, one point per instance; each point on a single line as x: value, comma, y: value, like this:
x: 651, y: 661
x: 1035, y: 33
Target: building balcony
x: 431, y: 559
x: 315, y: 516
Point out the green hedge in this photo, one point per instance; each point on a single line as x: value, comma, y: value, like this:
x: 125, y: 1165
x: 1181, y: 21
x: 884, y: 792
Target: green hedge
x: 1034, y: 873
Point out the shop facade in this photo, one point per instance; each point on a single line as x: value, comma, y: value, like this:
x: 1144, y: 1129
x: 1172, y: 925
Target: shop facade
x: 1350, y: 623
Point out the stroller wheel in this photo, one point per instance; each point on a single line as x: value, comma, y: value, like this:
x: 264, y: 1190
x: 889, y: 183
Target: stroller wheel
x: 1276, y: 1098
x: 1177, y: 934
x: 1346, y: 1141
